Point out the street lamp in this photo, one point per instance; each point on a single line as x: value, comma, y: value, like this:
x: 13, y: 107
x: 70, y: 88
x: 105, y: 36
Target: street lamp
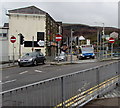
x: 71, y: 45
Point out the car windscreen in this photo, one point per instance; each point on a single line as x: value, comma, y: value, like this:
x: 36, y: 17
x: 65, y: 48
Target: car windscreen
x: 31, y: 54
x: 87, y: 50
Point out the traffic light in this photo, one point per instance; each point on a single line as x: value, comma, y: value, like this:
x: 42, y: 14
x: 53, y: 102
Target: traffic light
x: 21, y: 39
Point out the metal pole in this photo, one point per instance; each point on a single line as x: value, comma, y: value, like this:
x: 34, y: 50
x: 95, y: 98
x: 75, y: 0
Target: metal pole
x: 78, y: 45
x: 13, y: 53
x: 19, y: 45
x: 32, y: 43
x: 59, y: 43
x: 103, y: 39
x: 97, y: 43
x: 71, y: 45
x: 62, y: 89
x: 111, y: 50
x: 58, y: 52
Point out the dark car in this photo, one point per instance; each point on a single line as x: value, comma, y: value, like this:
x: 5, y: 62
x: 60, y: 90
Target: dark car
x: 32, y: 58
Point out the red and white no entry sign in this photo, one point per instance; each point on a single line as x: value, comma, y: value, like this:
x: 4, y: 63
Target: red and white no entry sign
x: 111, y: 40
x: 13, y: 39
x: 58, y: 37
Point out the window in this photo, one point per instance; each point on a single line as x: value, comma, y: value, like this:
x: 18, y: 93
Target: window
x: 40, y: 36
x: 0, y: 34
x: 4, y: 34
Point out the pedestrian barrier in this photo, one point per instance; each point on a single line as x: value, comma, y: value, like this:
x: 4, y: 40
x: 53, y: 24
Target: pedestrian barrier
x: 75, y: 89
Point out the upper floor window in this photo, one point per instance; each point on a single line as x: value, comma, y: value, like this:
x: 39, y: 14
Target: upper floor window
x: 4, y: 34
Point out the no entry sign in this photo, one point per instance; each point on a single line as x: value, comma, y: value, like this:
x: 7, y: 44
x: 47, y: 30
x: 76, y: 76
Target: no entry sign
x: 111, y: 40
x: 13, y: 39
x: 58, y: 37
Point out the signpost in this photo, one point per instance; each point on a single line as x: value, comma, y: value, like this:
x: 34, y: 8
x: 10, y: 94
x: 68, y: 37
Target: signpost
x: 13, y: 40
x: 58, y: 39
x: 111, y: 40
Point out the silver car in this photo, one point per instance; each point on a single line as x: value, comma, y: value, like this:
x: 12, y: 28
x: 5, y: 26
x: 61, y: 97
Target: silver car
x: 32, y: 58
x: 61, y: 57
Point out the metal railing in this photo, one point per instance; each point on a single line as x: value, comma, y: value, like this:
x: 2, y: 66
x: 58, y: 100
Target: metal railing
x: 75, y: 89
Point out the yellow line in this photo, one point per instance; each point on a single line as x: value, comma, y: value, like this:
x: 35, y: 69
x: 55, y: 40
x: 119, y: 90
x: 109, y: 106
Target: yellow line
x: 83, y: 93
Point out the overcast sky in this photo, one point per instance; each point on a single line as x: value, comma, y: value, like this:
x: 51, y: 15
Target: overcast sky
x: 75, y: 11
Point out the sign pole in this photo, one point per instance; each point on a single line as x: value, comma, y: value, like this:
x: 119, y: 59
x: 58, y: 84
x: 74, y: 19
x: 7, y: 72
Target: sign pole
x: 13, y: 40
x: 71, y: 46
x: 58, y: 51
x: 32, y: 43
x: 13, y: 53
x: 111, y: 50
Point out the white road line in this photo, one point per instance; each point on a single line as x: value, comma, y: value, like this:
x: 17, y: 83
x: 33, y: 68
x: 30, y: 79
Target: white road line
x: 9, y: 81
x: 7, y: 76
x: 38, y: 71
x: 23, y: 72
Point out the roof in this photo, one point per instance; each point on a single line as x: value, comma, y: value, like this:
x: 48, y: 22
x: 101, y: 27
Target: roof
x: 28, y: 10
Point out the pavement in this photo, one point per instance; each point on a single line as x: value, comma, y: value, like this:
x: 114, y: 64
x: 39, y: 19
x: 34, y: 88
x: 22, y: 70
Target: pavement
x: 8, y: 65
x: 108, y: 100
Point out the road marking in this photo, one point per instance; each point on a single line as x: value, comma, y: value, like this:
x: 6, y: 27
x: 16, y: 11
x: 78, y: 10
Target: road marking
x: 38, y: 71
x: 90, y: 91
x: 23, y: 72
x: 7, y: 76
x: 9, y: 81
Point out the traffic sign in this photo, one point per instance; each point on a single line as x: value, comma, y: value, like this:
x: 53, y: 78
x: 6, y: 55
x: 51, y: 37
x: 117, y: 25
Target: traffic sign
x: 58, y: 37
x: 41, y: 43
x: 13, y: 39
x: 111, y: 40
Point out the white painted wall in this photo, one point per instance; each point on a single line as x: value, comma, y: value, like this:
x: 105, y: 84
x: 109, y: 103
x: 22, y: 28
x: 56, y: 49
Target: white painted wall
x: 3, y: 45
x: 28, y: 25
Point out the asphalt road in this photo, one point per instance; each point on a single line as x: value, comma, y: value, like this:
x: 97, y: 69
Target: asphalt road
x: 16, y: 77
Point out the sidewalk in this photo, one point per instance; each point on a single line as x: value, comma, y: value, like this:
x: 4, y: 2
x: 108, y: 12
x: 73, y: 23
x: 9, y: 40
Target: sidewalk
x: 7, y: 64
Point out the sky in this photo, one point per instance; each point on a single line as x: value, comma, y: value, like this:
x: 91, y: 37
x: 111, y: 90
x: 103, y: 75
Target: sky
x: 88, y: 12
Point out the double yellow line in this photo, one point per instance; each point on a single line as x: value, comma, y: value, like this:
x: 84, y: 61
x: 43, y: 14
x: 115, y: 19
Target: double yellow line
x: 80, y: 96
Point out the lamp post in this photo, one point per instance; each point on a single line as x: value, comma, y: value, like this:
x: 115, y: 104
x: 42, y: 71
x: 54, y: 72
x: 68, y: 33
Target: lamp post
x: 71, y: 45
x: 103, y: 38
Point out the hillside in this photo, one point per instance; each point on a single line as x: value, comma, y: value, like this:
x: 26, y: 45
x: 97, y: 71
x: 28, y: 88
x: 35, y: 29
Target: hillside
x: 89, y: 32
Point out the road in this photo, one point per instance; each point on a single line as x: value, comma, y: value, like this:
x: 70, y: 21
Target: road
x: 17, y: 77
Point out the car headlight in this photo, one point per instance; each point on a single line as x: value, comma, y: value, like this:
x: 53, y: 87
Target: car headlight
x: 30, y: 59
x: 82, y: 55
x: 19, y: 60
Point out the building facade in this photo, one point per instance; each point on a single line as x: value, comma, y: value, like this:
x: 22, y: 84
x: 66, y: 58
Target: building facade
x: 4, y: 43
x: 36, y: 26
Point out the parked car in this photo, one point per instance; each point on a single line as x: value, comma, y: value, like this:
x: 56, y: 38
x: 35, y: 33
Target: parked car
x: 62, y: 57
x: 32, y: 58
x: 116, y: 54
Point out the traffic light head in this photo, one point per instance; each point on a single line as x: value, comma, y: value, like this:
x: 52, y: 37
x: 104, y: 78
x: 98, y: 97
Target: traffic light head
x: 21, y: 39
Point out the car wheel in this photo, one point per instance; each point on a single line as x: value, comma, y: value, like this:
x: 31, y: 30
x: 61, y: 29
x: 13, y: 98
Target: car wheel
x: 80, y: 58
x: 20, y: 65
x: 43, y: 62
x: 35, y: 63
